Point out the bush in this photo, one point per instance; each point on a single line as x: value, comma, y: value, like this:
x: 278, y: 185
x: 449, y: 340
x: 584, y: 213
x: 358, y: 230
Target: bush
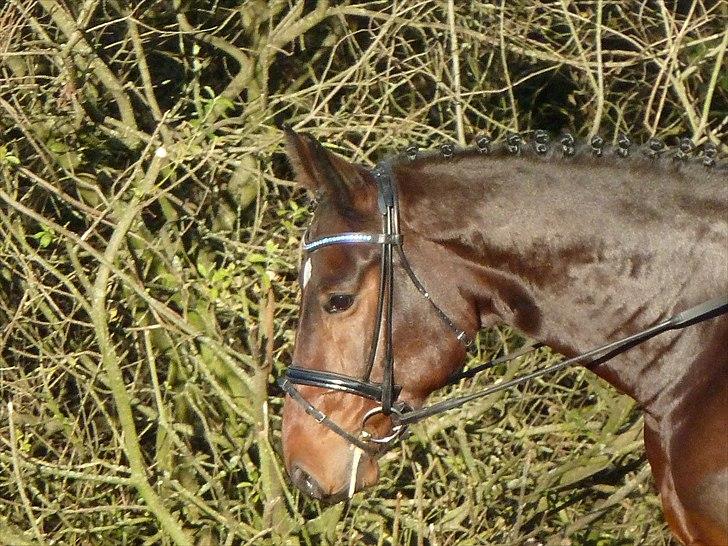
x: 148, y: 244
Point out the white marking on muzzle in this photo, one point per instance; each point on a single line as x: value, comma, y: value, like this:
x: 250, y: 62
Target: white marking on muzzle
x: 356, y: 458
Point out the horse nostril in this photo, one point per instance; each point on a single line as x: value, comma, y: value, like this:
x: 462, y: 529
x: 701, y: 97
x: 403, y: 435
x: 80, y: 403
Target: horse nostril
x: 306, y: 483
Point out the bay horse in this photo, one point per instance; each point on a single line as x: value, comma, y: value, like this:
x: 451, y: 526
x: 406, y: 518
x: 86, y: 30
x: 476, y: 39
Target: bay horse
x: 573, y: 245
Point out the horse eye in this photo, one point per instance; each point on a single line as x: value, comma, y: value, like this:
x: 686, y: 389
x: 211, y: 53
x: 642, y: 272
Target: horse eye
x: 338, y: 303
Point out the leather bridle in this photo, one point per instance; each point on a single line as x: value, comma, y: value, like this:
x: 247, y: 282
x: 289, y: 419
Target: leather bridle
x: 387, y: 392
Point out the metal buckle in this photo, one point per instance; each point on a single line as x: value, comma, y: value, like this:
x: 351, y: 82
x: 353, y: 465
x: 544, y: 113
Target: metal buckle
x: 398, y: 430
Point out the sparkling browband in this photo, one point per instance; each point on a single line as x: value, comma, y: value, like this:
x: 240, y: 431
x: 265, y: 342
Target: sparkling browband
x: 352, y: 239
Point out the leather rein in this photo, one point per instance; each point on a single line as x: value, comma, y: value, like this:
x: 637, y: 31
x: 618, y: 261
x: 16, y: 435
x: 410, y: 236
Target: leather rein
x: 386, y: 393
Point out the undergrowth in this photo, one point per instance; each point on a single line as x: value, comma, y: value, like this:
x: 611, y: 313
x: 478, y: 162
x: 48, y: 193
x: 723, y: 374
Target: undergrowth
x: 149, y: 236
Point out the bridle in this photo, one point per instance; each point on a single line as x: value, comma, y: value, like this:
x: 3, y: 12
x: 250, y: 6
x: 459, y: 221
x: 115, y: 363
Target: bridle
x: 387, y: 392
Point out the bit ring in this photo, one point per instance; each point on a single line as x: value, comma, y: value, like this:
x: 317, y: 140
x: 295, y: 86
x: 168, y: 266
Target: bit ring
x: 398, y: 430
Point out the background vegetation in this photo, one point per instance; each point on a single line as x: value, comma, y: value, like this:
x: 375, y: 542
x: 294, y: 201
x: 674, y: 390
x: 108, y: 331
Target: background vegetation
x: 147, y: 298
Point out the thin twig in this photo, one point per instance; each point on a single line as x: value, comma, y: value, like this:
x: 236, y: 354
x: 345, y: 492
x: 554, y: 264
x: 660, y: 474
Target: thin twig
x: 19, y: 477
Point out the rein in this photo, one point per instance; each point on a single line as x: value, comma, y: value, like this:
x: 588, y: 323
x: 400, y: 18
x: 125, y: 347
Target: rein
x: 694, y: 315
x: 386, y: 392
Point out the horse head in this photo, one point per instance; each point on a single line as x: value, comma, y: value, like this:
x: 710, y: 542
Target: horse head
x: 346, y: 336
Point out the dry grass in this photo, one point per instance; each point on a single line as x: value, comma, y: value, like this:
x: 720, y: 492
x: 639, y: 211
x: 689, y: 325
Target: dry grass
x: 145, y: 300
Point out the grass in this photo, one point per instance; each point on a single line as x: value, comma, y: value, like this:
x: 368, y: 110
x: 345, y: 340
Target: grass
x: 146, y: 298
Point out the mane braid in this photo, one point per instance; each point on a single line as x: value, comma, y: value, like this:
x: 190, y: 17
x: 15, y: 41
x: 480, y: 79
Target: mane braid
x: 651, y: 155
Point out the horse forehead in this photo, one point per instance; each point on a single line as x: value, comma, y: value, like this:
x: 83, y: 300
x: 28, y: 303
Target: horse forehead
x: 337, y: 263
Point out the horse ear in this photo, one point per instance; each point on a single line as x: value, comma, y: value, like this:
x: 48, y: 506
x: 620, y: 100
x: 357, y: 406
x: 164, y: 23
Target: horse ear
x: 349, y: 186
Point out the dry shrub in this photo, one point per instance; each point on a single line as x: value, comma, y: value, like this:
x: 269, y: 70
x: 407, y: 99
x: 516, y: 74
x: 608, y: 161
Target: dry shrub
x: 145, y: 297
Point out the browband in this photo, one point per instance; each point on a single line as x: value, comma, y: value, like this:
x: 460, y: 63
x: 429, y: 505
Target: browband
x: 353, y: 238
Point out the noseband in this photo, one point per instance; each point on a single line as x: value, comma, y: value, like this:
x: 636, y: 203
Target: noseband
x: 387, y: 392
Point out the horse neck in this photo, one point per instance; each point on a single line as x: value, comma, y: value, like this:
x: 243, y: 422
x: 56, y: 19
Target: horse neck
x: 575, y: 253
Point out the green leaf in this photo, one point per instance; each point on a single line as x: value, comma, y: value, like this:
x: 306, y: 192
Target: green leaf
x: 7, y: 157
x: 57, y: 147
x: 44, y: 237
x: 256, y: 258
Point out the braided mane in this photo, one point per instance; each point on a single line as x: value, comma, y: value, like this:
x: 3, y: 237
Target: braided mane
x: 654, y: 154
